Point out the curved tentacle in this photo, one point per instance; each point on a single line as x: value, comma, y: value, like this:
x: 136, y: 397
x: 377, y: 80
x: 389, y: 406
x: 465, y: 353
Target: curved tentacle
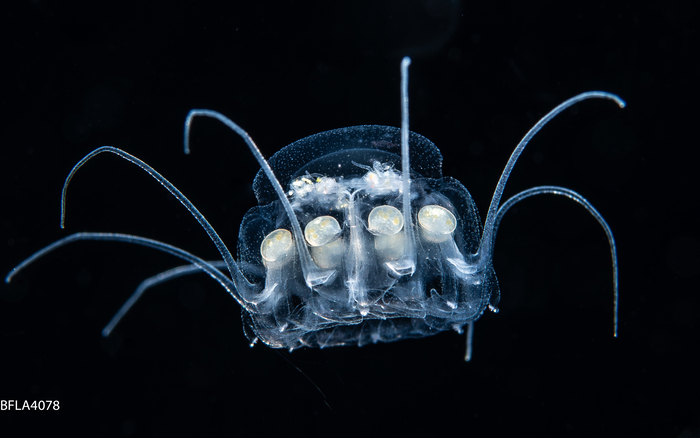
x: 150, y: 282
x: 236, y: 275
x: 483, y: 255
x: 312, y: 273
x: 555, y: 190
x: 116, y: 237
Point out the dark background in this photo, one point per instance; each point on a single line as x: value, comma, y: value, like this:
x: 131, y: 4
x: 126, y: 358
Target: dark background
x: 78, y: 76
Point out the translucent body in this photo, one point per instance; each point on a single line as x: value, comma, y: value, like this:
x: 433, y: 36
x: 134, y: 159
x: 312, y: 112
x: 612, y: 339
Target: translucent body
x: 367, y: 242
x: 366, y: 300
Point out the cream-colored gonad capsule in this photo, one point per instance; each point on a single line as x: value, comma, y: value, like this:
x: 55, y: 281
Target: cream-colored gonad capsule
x: 385, y: 220
x: 437, y: 223
x: 277, y: 245
x: 322, y: 230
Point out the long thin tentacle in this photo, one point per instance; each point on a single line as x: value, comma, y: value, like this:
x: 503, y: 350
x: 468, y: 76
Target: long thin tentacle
x: 115, y: 237
x: 484, y: 253
x: 555, y: 190
x: 312, y: 273
x: 406, y: 265
x: 150, y: 282
x: 236, y: 275
x: 470, y: 338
